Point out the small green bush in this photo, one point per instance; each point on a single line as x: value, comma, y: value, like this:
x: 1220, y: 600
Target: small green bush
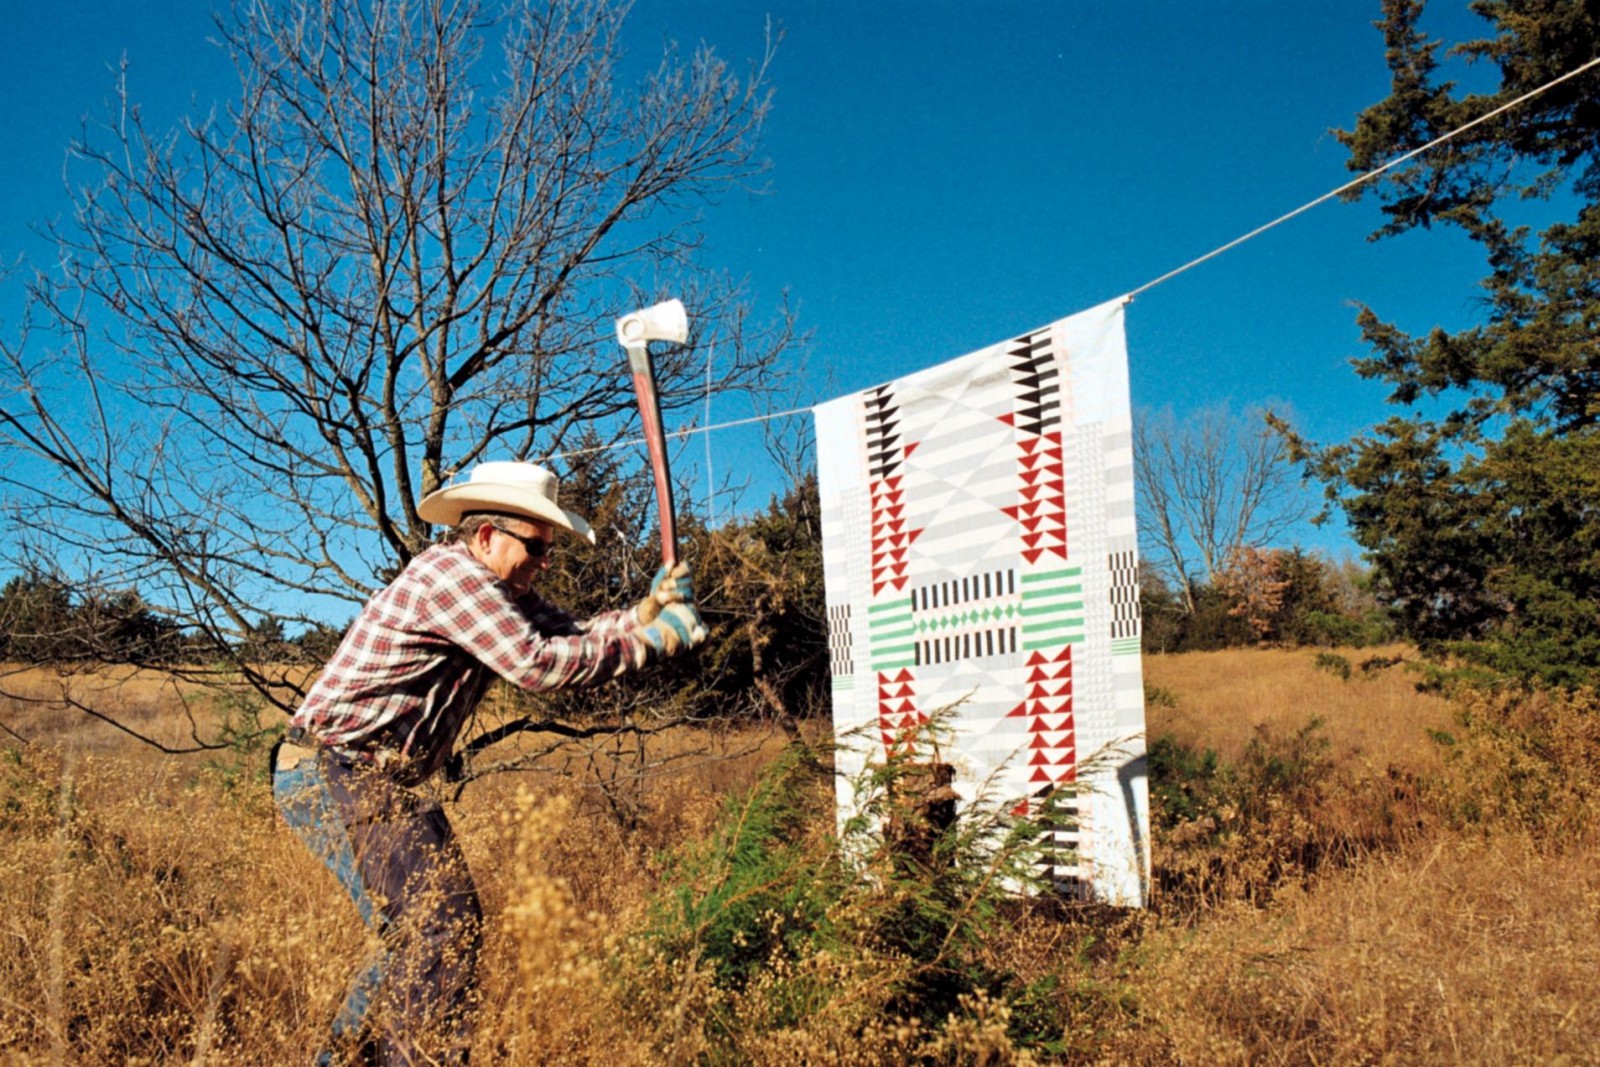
x: 790, y: 936
x: 1238, y: 830
x: 1156, y: 696
x: 1334, y: 664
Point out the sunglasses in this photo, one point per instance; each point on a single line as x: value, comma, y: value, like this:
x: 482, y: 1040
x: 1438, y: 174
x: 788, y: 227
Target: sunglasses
x: 537, y: 548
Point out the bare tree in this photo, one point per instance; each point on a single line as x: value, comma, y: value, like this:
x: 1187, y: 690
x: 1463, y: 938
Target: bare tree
x: 272, y: 330
x: 1210, y: 485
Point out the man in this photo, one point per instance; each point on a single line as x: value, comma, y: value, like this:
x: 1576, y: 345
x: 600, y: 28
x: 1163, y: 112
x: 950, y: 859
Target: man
x: 387, y: 710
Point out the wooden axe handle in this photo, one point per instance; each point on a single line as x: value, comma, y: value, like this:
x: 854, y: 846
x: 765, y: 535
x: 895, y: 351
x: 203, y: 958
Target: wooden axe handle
x: 655, y: 439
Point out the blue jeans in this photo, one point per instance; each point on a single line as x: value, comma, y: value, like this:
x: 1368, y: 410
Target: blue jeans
x: 397, y: 857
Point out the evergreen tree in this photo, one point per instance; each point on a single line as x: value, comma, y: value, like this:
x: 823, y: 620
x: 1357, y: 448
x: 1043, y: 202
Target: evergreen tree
x: 36, y: 618
x: 44, y: 620
x: 1481, y: 515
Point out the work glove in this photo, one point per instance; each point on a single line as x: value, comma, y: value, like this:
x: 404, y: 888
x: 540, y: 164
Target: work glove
x: 678, y: 628
x: 672, y: 585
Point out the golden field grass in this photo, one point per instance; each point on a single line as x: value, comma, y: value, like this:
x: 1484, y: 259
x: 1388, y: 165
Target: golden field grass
x: 1221, y: 698
x: 1343, y: 895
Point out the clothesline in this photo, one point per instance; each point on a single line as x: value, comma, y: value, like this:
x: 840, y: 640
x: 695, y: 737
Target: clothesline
x: 1347, y: 186
x: 1168, y: 276
x: 687, y: 431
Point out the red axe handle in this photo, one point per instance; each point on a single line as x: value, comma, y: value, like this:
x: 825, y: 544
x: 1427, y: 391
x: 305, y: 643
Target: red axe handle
x: 655, y: 439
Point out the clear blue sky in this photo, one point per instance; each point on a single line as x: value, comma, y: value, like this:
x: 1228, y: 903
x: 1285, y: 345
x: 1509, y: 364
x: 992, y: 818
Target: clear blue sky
x: 946, y: 174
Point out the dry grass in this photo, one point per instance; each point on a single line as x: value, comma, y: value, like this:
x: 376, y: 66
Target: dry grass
x: 1461, y: 950
x: 36, y: 702
x: 154, y: 914
x: 1219, y: 699
x: 53, y: 705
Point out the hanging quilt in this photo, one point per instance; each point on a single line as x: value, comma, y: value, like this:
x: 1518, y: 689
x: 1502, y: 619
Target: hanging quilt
x: 979, y: 552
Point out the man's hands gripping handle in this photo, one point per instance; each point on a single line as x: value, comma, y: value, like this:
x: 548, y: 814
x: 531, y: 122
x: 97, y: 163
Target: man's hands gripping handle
x: 668, y: 616
x: 672, y: 585
x: 677, y: 629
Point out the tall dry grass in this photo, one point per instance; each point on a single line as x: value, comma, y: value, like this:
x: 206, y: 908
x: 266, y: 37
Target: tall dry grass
x: 1349, y: 893
x: 1220, y: 699
x: 126, y: 711
x: 1460, y: 950
x: 150, y: 920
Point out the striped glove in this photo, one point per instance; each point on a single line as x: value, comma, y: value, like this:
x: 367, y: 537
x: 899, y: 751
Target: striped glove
x: 672, y: 585
x: 678, y: 628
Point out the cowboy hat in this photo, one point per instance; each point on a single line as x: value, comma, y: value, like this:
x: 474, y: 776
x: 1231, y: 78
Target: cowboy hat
x: 507, y: 488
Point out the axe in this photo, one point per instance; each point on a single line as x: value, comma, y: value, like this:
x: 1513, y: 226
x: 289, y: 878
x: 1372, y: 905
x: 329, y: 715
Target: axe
x: 662, y: 322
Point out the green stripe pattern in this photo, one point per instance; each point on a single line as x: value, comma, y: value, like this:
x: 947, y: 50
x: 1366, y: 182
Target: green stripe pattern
x: 1052, y: 608
x: 890, y: 634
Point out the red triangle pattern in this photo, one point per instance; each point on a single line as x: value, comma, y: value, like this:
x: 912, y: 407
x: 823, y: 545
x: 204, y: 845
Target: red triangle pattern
x: 1042, y: 512
x: 899, y: 720
x: 889, y: 538
x: 1053, y: 746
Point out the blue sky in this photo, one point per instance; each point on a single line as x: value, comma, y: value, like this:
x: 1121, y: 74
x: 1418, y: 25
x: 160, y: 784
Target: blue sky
x: 945, y: 175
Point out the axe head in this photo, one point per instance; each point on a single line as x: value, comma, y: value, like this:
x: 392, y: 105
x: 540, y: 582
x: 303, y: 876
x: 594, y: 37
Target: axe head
x: 666, y: 321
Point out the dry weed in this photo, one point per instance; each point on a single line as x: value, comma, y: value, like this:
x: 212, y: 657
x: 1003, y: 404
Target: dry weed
x: 149, y: 921
x: 153, y: 916
x: 546, y: 998
x: 1462, y: 950
x: 1527, y: 760
x: 1218, y: 700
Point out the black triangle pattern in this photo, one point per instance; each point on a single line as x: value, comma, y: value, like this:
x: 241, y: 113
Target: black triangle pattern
x: 1038, y: 382
x: 883, y: 431
x: 1057, y: 859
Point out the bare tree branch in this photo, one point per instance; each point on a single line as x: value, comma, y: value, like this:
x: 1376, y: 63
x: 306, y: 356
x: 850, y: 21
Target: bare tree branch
x: 1210, y: 485
x: 397, y: 252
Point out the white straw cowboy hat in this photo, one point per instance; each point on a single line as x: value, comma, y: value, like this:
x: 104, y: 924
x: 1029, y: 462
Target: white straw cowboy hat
x: 508, y: 488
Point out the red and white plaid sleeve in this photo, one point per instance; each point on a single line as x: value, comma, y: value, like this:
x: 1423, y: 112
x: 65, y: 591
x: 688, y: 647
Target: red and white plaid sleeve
x: 531, y: 644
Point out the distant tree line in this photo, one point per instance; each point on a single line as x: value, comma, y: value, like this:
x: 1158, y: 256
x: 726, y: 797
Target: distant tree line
x: 1266, y: 597
x: 761, y: 586
x: 45, y: 619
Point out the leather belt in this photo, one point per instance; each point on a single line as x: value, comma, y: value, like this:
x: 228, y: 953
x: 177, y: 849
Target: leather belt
x: 291, y: 755
x: 299, y: 747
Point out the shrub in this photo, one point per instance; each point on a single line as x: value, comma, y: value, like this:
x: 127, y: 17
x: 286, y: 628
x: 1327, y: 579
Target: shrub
x: 788, y: 943
x: 1334, y: 664
x: 1526, y: 759
x: 1237, y: 831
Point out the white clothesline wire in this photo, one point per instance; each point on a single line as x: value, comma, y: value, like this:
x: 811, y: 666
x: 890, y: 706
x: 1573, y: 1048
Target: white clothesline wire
x: 1147, y: 286
x: 687, y: 431
x: 711, y: 473
x: 1347, y: 186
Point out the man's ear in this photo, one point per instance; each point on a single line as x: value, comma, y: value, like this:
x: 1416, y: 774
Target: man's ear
x: 479, y: 542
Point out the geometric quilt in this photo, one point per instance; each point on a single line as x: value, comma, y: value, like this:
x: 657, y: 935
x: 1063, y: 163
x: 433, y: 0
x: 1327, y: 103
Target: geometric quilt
x: 979, y: 552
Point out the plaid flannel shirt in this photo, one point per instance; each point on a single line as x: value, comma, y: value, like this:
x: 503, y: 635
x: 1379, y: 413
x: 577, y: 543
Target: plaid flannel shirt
x: 415, y: 663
